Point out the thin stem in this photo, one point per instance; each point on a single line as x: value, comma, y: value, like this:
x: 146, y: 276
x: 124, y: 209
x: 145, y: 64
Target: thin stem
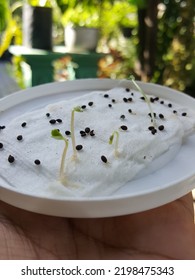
x: 76, y: 109
x: 145, y: 97
x: 73, y: 135
x: 62, y: 165
x: 55, y: 133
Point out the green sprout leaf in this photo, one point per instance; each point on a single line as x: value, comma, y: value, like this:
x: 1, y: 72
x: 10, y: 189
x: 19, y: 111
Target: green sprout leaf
x: 78, y: 109
x: 56, y: 134
x: 111, y: 139
x: 115, y: 134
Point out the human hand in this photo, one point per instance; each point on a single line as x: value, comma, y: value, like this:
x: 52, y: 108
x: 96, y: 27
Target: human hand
x: 166, y: 232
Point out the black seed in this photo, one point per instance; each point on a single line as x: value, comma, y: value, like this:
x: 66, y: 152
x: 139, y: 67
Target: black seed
x: 106, y: 95
x: 124, y: 127
x: 90, y: 103
x: 92, y: 133
x: 184, y: 114
x: 19, y: 137
x: 132, y: 94
x: 125, y: 99
x: 83, y: 133
x: 23, y: 124
x: 150, y: 115
x: 151, y: 127
x: 162, y: 102
x: 48, y: 115
x: 113, y: 100
x: 161, y: 127
x: 83, y: 106
x: 130, y: 99
x: 161, y: 116
x: 127, y: 89
x: 154, y: 131
x: 169, y: 105
x: 104, y: 159
x: 152, y: 99
x: 130, y: 111
x: 142, y: 98
x: 67, y: 132
x: 79, y: 147
x: 122, y: 117
x: 2, y: 127
x: 11, y: 159
x: 1, y: 145
x: 37, y: 162
x: 109, y: 105
x: 174, y: 112
x: 59, y: 120
x: 52, y: 121
x: 87, y: 129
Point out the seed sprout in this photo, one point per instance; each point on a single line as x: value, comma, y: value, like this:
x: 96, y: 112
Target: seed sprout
x: 58, y: 136
x: 116, y: 135
x: 76, y: 109
x: 145, y: 97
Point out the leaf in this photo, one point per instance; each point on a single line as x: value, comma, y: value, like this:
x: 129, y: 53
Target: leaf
x: 56, y: 134
x: 111, y: 139
x: 78, y: 109
x: 7, y: 36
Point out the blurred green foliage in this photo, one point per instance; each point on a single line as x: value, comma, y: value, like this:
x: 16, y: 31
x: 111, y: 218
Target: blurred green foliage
x: 175, y: 44
x: 4, y: 15
x: 11, y: 26
x: 103, y: 14
x: 175, y: 47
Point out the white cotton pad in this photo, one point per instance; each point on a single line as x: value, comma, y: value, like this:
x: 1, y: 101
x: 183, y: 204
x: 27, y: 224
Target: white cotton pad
x: 101, y: 168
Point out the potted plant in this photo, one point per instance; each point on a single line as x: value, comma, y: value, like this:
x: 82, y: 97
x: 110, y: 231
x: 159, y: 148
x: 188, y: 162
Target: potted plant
x: 83, y: 22
x: 32, y: 29
x: 37, y: 24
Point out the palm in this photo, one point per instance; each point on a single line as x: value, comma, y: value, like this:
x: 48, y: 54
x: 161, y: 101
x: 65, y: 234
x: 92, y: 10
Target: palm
x: 167, y: 232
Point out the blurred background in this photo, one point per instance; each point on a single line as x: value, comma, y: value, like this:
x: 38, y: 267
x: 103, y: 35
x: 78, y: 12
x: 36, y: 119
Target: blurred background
x: 41, y: 41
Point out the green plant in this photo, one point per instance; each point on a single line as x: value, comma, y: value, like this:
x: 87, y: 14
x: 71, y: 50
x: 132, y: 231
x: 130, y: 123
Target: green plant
x: 10, y: 21
x: 82, y: 14
x: 41, y: 3
x: 106, y: 14
x: 175, y: 44
x: 13, y: 27
x: 4, y: 14
x: 58, y: 136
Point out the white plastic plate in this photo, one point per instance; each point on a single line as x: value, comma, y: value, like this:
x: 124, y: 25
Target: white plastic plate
x: 164, y: 185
